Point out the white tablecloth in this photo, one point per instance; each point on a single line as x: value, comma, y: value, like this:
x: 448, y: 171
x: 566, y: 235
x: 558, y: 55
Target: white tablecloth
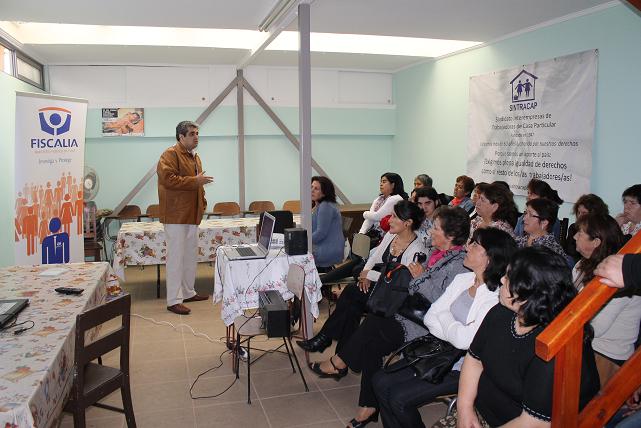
x: 36, y: 366
x: 143, y: 243
x: 237, y: 283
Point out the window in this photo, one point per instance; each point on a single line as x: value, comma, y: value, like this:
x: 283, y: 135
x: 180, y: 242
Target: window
x: 6, y: 59
x: 29, y: 70
x: 19, y: 65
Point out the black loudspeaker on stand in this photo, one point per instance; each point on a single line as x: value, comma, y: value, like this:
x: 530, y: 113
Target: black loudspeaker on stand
x: 295, y: 241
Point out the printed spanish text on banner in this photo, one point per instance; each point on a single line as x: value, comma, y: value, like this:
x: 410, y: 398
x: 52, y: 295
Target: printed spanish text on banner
x: 49, y: 162
x: 535, y: 121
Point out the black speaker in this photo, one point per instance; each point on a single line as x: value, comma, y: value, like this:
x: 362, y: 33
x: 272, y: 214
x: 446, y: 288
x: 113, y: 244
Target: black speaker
x: 295, y: 241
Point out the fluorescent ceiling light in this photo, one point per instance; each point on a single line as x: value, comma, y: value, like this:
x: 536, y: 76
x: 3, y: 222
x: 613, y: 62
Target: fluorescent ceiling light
x: 75, y: 34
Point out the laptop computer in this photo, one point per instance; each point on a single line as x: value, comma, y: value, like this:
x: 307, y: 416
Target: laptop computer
x: 9, y: 309
x: 258, y: 250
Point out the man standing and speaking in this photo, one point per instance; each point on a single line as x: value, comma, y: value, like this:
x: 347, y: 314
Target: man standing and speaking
x: 182, y: 203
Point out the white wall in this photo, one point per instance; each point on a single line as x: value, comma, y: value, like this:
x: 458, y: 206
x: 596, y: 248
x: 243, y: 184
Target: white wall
x: 140, y: 86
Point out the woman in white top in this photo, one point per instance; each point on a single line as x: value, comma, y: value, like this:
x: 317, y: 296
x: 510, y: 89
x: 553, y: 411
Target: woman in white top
x: 455, y: 317
x: 616, y: 326
x: 630, y: 218
x: 391, y: 188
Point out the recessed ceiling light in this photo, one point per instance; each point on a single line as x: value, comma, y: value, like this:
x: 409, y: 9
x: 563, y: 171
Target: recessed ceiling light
x: 77, y: 34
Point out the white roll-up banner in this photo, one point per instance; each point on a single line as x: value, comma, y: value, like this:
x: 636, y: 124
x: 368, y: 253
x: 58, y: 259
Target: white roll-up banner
x: 49, y: 163
x: 535, y: 121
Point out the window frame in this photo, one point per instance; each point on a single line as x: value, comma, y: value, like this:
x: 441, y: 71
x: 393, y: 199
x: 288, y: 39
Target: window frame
x: 18, y: 54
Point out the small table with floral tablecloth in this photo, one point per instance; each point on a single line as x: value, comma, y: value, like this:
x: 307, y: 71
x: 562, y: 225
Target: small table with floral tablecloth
x: 143, y: 243
x: 36, y: 365
x: 238, y: 282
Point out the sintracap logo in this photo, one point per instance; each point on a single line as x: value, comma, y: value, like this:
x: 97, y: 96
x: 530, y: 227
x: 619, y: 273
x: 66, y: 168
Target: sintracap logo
x: 54, y: 120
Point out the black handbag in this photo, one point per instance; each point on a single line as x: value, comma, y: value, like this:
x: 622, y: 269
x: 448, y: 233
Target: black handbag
x: 415, y: 307
x: 431, y: 358
x: 390, y: 291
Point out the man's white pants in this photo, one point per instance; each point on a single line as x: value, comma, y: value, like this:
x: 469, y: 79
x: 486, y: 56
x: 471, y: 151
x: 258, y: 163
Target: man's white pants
x: 182, y: 247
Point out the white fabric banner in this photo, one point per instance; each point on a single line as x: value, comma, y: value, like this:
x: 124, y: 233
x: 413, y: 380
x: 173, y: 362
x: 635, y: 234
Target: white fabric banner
x: 535, y: 121
x: 49, y: 162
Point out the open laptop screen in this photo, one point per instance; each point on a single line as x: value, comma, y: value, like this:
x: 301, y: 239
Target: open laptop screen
x: 266, y: 230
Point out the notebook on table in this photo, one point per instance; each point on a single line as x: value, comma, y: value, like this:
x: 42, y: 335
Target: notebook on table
x: 258, y: 250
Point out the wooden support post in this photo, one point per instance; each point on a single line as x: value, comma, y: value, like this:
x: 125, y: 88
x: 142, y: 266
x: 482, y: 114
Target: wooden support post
x: 567, y: 380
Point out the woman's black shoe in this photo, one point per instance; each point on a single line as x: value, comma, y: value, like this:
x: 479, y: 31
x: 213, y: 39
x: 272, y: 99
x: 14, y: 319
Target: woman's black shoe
x: 359, y: 424
x: 340, y: 373
x: 317, y: 343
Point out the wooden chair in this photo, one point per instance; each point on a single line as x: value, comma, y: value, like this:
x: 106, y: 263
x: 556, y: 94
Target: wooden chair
x: 130, y: 212
x: 226, y: 209
x: 93, y: 248
x: 293, y: 206
x: 92, y: 382
x: 258, y: 207
x: 153, y: 212
x: 249, y: 327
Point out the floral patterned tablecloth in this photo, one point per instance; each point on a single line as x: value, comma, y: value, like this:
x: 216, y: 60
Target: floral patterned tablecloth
x: 143, y: 243
x: 36, y: 365
x: 237, y: 283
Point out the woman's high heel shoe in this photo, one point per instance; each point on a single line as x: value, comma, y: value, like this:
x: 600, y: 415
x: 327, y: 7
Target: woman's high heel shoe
x: 317, y: 343
x: 360, y: 424
x: 340, y: 373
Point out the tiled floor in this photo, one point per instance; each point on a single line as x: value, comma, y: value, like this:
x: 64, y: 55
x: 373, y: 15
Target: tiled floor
x: 166, y: 361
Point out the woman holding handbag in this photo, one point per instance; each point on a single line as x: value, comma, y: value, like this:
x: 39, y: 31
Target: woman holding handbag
x: 378, y: 336
x: 503, y: 381
x: 399, y: 245
x: 454, y: 317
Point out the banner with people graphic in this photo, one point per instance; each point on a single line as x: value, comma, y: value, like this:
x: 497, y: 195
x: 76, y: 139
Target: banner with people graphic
x: 535, y: 121
x: 49, y: 161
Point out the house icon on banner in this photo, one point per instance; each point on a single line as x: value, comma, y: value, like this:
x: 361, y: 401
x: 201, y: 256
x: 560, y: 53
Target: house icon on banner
x: 523, y: 87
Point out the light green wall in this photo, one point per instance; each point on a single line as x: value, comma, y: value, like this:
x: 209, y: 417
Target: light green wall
x: 8, y: 87
x: 352, y: 145
x: 432, y: 100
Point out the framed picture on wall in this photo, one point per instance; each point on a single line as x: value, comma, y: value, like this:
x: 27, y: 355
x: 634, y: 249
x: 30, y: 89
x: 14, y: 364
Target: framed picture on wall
x: 123, y: 122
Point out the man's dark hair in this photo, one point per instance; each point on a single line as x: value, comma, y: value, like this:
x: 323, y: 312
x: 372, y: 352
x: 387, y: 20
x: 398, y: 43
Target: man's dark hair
x: 183, y: 128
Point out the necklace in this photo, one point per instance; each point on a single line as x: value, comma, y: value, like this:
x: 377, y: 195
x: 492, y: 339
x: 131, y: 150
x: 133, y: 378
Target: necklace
x: 398, y: 247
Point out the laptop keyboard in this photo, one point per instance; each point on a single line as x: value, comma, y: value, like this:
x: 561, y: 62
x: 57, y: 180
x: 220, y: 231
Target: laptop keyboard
x: 246, y: 251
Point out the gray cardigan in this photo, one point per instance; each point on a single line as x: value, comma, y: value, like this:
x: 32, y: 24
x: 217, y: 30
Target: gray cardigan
x: 431, y: 284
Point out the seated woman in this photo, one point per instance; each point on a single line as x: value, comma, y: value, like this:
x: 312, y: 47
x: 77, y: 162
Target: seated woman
x: 462, y: 191
x: 455, y: 317
x: 540, y: 189
x: 630, y: 218
x: 422, y: 180
x: 378, y: 336
x: 400, y: 244
x: 503, y: 381
x: 391, y: 188
x: 475, y: 197
x: 496, y: 208
x: 328, y: 242
x: 428, y: 200
x: 540, y: 214
x: 586, y: 204
x: 616, y: 326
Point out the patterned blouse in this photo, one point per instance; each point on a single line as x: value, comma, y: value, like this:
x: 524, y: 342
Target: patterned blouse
x: 424, y: 232
x: 547, y: 240
x: 630, y: 228
x: 498, y: 224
